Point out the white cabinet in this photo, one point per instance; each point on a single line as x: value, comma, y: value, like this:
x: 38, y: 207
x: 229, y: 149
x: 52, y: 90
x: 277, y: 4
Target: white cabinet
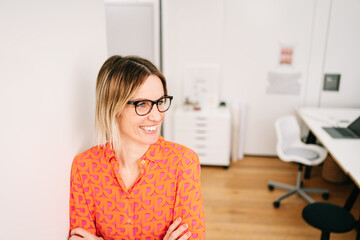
x: 207, y: 132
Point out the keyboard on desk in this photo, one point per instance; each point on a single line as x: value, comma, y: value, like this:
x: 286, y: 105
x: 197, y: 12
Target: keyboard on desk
x: 344, y: 131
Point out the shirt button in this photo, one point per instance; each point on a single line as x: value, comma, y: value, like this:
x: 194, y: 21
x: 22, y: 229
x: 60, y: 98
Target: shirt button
x: 129, y: 221
x: 143, y: 161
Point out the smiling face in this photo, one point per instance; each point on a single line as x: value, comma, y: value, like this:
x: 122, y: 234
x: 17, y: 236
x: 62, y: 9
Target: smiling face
x: 142, y: 130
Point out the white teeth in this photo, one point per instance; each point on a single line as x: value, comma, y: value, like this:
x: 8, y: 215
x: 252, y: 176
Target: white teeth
x: 153, y: 128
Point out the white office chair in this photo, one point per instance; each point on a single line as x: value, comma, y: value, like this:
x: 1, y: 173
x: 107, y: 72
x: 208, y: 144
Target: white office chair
x: 290, y: 148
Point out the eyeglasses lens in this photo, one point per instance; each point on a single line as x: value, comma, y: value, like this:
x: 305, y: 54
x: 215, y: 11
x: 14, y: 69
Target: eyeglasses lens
x: 163, y: 104
x: 143, y: 107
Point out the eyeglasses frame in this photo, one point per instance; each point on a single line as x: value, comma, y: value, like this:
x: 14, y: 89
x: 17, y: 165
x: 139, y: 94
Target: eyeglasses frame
x: 135, y: 103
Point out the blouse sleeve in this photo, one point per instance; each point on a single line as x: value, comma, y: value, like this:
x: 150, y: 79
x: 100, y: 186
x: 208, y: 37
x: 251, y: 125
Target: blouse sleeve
x: 82, y: 212
x: 189, y: 202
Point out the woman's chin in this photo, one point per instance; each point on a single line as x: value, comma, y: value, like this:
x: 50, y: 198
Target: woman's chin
x: 150, y: 138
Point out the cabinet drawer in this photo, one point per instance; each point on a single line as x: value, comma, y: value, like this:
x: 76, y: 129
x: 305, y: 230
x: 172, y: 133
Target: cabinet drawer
x: 209, y: 135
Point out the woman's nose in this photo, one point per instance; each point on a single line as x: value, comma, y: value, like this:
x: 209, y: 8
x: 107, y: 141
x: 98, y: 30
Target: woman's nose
x: 154, y: 114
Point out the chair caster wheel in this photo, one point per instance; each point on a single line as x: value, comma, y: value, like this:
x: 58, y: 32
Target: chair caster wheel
x: 276, y: 204
x: 325, y: 196
x: 270, y: 187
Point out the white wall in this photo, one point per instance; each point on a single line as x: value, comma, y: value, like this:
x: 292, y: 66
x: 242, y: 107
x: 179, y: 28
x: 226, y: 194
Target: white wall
x: 133, y: 27
x: 244, y: 36
x: 192, y: 34
x: 254, y: 32
x: 51, y: 52
x: 314, y: 77
x: 343, y: 54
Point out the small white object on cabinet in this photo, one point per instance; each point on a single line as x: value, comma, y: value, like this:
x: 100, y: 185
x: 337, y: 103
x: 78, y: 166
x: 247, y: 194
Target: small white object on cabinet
x: 207, y: 132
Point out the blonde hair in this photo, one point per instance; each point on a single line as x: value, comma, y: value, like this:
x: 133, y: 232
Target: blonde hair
x: 118, y: 80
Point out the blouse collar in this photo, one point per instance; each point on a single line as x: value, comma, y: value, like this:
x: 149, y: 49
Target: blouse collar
x: 150, y: 153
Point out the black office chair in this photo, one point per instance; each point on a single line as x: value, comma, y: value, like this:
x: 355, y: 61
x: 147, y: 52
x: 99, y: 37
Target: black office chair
x: 329, y: 218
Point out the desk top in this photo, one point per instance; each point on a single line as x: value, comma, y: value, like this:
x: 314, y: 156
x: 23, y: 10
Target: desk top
x: 346, y: 152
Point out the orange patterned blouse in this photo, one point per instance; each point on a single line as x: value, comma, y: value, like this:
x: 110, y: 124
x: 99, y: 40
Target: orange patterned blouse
x: 167, y: 187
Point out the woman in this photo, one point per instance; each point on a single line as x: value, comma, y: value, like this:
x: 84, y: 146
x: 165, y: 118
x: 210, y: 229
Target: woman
x: 134, y: 184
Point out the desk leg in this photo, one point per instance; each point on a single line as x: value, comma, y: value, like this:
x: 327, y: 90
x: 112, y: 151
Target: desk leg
x: 310, y: 139
x: 352, y: 198
x: 349, y: 204
x: 357, y: 226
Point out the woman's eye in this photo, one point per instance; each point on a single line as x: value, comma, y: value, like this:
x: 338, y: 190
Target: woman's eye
x: 161, y: 102
x: 141, y: 105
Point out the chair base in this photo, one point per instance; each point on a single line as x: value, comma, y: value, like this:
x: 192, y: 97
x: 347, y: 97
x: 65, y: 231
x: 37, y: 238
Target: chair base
x: 325, y: 235
x: 297, y: 189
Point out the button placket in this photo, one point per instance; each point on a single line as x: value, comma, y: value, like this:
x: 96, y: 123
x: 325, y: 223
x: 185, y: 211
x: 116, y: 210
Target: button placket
x: 141, y: 164
x: 130, y: 210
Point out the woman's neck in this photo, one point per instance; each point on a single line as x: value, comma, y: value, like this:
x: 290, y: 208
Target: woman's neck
x: 130, y: 153
x: 128, y: 156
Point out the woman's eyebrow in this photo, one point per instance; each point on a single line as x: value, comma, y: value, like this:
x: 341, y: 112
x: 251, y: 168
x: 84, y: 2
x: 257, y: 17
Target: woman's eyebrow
x: 145, y: 99
x: 138, y: 99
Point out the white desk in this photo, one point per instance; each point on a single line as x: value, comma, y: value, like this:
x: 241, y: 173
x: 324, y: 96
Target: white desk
x: 346, y: 152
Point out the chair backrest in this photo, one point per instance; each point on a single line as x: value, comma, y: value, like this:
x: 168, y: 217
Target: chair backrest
x: 287, y: 132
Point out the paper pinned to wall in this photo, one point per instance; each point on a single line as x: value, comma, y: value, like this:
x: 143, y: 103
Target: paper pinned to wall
x: 201, y: 84
x: 284, y: 78
x: 284, y: 81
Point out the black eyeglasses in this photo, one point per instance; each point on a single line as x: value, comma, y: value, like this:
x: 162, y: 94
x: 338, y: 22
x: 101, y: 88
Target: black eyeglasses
x: 143, y: 107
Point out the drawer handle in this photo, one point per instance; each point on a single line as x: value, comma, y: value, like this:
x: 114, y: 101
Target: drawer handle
x: 200, y: 146
x: 201, y: 124
x: 201, y: 154
x: 200, y: 131
x: 201, y: 118
x: 200, y: 138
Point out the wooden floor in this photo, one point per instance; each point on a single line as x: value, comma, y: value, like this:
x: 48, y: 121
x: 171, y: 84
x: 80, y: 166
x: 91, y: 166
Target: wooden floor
x: 238, y: 204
